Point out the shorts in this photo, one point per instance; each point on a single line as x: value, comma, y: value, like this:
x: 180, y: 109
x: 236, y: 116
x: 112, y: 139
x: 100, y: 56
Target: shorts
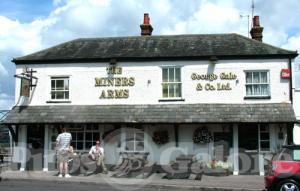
x: 63, y: 156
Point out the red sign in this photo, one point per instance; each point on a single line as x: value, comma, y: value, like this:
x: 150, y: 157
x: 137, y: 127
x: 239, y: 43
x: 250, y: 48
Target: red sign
x: 285, y: 73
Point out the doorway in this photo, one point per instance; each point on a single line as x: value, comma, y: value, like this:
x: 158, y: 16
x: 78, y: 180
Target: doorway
x: 35, y: 146
x: 248, y: 149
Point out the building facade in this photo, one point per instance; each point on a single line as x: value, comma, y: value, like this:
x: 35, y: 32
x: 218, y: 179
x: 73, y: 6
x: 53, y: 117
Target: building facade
x: 218, y: 97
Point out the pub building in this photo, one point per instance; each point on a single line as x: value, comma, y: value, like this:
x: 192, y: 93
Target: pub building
x: 215, y: 97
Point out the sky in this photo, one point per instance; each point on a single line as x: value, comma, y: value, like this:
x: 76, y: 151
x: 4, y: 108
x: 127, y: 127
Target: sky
x: 27, y: 26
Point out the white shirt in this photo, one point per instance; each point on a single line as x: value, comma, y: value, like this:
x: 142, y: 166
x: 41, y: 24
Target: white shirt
x: 63, y: 141
x: 96, y: 150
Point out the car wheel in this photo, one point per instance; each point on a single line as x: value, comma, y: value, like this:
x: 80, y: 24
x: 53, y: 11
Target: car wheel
x: 288, y: 185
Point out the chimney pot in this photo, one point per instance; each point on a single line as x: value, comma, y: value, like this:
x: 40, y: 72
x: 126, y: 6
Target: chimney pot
x: 256, y: 21
x: 146, y: 19
x: 146, y: 28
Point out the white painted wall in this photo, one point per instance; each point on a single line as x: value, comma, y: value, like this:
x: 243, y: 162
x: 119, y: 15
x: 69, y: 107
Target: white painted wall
x: 84, y: 92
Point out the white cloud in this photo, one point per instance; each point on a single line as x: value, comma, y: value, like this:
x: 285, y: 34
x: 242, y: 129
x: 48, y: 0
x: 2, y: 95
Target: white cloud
x: 211, y: 18
x: 293, y: 43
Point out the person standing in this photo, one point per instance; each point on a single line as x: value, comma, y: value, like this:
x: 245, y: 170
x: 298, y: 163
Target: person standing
x: 62, y: 144
x: 97, y: 154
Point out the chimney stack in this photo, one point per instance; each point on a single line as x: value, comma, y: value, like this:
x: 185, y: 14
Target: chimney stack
x: 256, y: 30
x: 146, y: 28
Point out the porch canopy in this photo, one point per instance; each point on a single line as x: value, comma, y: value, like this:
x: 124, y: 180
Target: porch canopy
x: 156, y: 113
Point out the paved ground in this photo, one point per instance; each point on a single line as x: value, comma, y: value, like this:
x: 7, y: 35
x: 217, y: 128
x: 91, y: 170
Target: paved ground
x: 154, y: 182
x: 25, y: 185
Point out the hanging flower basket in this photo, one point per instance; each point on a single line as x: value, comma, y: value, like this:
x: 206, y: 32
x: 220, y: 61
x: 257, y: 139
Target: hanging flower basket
x: 202, y: 135
x: 160, y: 137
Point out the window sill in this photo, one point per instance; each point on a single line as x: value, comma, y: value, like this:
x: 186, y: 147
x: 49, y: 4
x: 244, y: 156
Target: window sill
x: 59, y: 101
x: 257, y: 97
x: 171, y: 99
x: 134, y: 152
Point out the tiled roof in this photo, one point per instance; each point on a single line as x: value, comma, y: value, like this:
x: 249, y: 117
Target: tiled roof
x: 160, y: 113
x: 204, y: 46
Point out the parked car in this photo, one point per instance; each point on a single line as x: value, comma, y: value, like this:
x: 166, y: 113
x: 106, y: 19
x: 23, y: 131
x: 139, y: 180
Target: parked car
x: 284, y: 170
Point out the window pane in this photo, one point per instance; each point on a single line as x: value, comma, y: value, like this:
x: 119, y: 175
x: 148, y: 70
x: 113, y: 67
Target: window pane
x: 89, y: 136
x: 52, y: 95
x: 248, y: 77
x: 129, y: 135
x: 80, y: 136
x: 265, y: 146
x: 264, y: 89
x: 88, y: 145
x: 255, y: 77
x: 171, y: 74
x: 165, y: 75
x: 177, y: 90
x: 165, y: 90
x: 177, y: 75
x: 59, y: 95
x: 256, y: 90
x: 139, y: 146
x: 264, y: 136
x: 296, y: 154
x: 66, y: 84
x: 171, y: 90
x: 129, y: 146
x: 74, y: 136
x: 263, y: 77
x: 59, y: 84
x: 139, y: 136
x: 52, y: 84
x: 96, y: 136
x: 66, y: 95
x: 249, y: 90
x: 79, y: 146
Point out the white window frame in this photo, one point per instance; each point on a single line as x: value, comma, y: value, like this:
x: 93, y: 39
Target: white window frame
x: 135, y: 131
x: 170, y: 83
x: 260, y: 140
x: 252, y: 84
x: 54, y: 90
x: 84, y: 129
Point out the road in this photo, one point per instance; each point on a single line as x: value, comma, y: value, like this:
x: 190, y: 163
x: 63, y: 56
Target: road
x: 13, y: 185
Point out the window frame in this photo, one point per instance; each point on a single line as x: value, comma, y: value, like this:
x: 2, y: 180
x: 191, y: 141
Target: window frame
x: 268, y: 96
x: 168, y: 83
x: 83, y: 129
x: 135, y: 131
x: 262, y: 131
x: 54, y: 90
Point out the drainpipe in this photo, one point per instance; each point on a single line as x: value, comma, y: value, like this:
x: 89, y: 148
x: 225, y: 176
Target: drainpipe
x: 291, y: 80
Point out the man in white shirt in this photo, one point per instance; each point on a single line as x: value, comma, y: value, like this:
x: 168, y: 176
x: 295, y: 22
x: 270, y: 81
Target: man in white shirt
x: 62, y: 145
x: 97, y: 154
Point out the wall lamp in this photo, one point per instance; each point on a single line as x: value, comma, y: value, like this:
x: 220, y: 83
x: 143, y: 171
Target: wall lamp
x: 213, y: 59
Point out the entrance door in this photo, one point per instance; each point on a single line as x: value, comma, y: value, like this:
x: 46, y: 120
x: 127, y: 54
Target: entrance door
x: 248, y: 149
x: 35, y: 146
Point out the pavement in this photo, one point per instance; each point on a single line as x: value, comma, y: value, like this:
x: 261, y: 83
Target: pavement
x: 224, y: 183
